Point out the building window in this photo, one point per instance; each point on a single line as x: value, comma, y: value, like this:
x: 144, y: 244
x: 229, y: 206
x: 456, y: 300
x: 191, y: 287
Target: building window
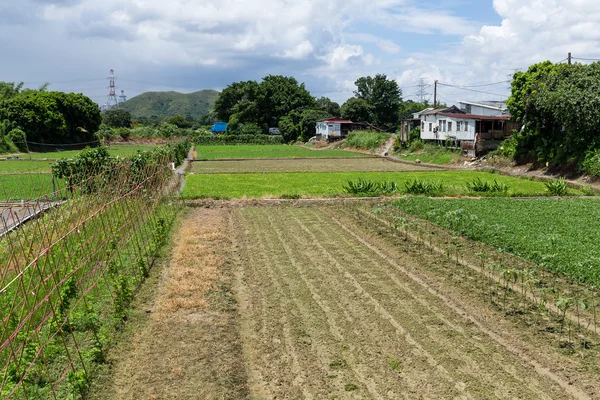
x: 466, y: 126
x: 458, y: 125
x: 468, y: 108
x: 430, y: 127
x: 422, y: 126
x: 449, y: 126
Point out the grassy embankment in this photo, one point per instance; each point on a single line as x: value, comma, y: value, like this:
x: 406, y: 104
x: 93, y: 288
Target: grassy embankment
x: 323, y: 184
x: 265, y: 151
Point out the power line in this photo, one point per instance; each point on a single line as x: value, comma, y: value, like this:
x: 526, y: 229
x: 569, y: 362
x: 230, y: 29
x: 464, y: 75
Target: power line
x: 586, y: 59
x: 477, y: 85
x: 472, y: 90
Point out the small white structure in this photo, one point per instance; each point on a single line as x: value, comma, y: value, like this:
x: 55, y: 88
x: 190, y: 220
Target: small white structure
x: 333, y: 128
x: 486, y: 108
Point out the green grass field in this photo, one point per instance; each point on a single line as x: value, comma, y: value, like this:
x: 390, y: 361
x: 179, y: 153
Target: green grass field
x: 41, y: 162
x: 117, y: 150
x: 267, y: 151
x: 561, y: 234
x: 11, y: 166
x: 24, y: 186
x: 303, y: 165
x: 321, y: 184
x: 431, y: 154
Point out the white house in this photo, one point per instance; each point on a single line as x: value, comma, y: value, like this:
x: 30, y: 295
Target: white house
x: 333, y: 128
x: 472, y: 133
x: 487, y: 108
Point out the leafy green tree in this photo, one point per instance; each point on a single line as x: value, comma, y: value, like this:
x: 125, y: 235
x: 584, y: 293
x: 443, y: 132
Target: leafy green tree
x: 289, y: 130
x: 356, y: 110
x: 236, y: 98
x: 559, y: 106
x: 308, y: 122
x: 262, y: 103
x: 383, y: 96
x: 52, y: 117
x: 408, y: 108
x: 117, y: 118
x: 280, y: 95
x: 8, y: 90
x: 179, y: 121
x: 330, y: 107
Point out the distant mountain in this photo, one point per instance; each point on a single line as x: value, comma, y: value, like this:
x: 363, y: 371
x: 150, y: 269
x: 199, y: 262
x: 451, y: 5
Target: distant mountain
x: 168, y: 104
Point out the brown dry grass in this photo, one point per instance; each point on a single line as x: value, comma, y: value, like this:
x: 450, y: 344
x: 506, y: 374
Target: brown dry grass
x: 187, y: 284
x: 183, y: 336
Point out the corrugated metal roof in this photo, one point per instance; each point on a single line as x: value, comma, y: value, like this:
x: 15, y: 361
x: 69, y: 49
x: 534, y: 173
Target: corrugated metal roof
x: 505, y: 117
x: 499, y: 105
x: 337, y: 121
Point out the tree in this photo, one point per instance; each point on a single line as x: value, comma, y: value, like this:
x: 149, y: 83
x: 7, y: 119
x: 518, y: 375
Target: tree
x: 408, y: 108
x: 559, y: 106
x: 117, y: 118
x: 383, y: 96
x: 263, y: 103
x: 289, y: 130
x: 356, y: 110
x: 280, y: 95
x: 52, y: 117
x: 179, y: 121
x: 8, y: 90
x: 308, y: 123
x: 235, y: 98
x: 330, y: 107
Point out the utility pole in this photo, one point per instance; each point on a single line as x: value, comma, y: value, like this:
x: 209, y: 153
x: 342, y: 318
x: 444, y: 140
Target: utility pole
x: 569, y: 58
x: 435, y: 94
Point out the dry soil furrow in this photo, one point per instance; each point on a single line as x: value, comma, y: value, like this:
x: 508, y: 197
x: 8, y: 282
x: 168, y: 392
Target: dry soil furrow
x: 326, y: 308
x: 478, y: 362
x: 376, y: 344
x: 435, y: 371
x: 268, y: 358
x: 498, y: 337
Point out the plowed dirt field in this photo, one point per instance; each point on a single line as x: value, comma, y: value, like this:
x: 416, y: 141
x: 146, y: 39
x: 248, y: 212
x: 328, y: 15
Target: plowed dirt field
x: 303, y: 302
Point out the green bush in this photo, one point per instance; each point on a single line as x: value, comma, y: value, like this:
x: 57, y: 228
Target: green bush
x: 369, y: 188
x: 209, y: 140
x: 557, y: 187
x: 418, y: 186
x: 416, y: 145
x: 366, y: 140
x: 478, y: 185
x: 18, y: 138
x: 591, y: 163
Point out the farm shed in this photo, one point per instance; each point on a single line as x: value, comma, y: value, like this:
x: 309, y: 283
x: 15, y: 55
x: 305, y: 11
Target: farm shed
x: 407, y: 125
x: 474, y: 134
x: 333, y: 128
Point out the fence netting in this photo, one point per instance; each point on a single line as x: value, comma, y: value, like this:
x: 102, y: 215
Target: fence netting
x: 72, y: 254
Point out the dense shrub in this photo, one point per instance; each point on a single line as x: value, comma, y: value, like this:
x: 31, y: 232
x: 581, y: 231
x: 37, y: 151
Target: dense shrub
x: 591, y: 163
x: 18, y: 139
x: 207, y: 140
x: 478, y: 185
x: 418, y: 186
x: 557, y: 187
x: 366, y: 140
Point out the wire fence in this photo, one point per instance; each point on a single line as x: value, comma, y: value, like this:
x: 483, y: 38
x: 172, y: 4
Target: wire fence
x: 71, y: 258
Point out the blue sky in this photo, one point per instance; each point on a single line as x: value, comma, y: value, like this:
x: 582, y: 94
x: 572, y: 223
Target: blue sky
x: 187, y: 45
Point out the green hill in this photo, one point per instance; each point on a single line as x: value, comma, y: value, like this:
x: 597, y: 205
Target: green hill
x: 168, y: 104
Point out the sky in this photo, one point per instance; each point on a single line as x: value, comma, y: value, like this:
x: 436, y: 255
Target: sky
x: 188, y: 45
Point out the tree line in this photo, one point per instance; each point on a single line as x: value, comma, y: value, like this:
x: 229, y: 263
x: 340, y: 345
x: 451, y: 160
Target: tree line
x: 252, y: 107
x: 42, y: 116
x: 559, y: 108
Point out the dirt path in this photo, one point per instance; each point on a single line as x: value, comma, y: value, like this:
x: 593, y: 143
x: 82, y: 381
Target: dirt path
x: 185, y: 344
x: 329, y: 313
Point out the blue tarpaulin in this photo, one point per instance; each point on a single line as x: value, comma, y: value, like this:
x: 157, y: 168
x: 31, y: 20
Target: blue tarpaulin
x: 219, y: 127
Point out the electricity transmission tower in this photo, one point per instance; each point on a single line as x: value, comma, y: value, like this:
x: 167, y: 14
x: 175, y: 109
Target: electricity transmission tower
x: 422, y: 92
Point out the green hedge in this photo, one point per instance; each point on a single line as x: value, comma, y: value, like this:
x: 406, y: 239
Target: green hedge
x: 208, y: 140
